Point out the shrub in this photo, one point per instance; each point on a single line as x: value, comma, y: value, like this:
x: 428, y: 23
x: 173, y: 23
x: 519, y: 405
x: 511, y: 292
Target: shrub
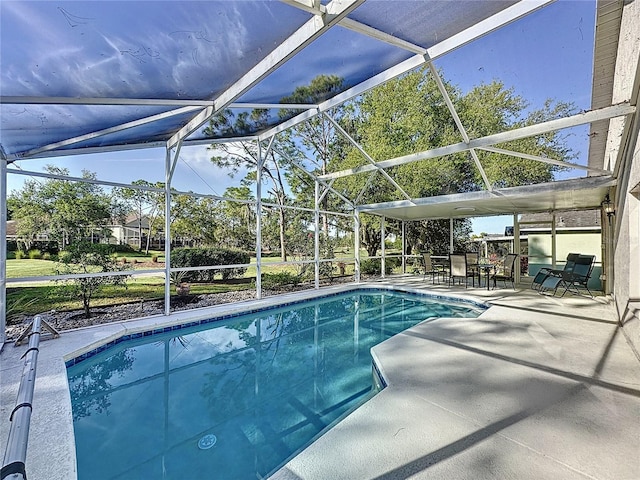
x: 200, y: 257
x: 85, y: 257
x: 154, y: 259
x: 20, y: 254
x: 45, y: 246
x: 35, y: 254
x: 393, y: 262
x: 308, y: 271
x: 123, y: 248
x: 48, y: 256
x: 275, y: 280
x: 373, y: 266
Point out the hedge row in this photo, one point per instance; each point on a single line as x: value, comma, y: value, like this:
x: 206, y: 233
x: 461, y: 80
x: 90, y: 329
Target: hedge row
x: 202, y: 257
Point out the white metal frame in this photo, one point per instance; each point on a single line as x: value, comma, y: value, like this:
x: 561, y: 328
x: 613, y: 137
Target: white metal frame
x: 325, y: 17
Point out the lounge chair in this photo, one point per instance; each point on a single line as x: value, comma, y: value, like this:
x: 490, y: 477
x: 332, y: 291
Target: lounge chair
x: 545, y: 272
x: 571, y: 281
x: 507, y: 272
x: 430, y: 268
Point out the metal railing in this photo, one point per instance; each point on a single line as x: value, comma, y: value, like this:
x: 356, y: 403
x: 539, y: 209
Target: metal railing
x: 13, y: 465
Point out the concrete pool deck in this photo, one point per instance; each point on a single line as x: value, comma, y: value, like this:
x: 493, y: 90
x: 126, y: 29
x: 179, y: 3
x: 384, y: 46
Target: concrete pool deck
x: 536, y: 387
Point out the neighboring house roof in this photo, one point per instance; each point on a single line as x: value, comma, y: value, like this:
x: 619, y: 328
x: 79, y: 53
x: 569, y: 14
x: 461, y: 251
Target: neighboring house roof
x: 12, y: 228
x: 568, y: 219
x: 132, y: 221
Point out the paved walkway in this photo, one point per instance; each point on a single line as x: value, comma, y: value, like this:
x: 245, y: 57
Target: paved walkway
x: 537, y: 387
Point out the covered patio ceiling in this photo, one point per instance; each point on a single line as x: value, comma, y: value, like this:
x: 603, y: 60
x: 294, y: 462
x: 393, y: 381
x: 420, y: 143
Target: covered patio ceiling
x: 577, y: 194
x: 95, y: 76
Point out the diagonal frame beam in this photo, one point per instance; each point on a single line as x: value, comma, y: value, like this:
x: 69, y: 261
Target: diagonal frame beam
x: 550, y: 161
x: 612, y: 111
x: 500, y: 19
x: 366, y: 155
x: 305, y: 35
x: 458, y: 122
x: 324, y: 183
x: 106, y: 131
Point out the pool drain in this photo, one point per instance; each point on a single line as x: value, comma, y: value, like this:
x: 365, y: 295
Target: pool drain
x: 207, y: 441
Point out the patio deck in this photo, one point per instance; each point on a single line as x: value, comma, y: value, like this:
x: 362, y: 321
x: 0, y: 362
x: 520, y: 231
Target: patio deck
x: 536, y: 387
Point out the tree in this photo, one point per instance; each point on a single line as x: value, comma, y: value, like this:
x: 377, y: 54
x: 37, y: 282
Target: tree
x: 193, y: 220
x: 236, y: 220
x: 246, y: 155
x: 86, y: 257
x: 317, y: 135
x: 408, y: 115
x: 143, y: 203
x: 137, y: 202
x: 64, y: 209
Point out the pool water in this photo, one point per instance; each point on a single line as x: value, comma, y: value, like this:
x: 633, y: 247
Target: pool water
x: 234, y: 399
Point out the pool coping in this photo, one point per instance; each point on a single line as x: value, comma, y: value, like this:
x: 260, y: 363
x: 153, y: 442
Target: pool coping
x: 51, y: 433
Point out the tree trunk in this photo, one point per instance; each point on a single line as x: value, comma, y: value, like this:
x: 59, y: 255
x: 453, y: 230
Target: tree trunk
x: 85, y: 304
x: 148, y: 240
x: 283, y: 249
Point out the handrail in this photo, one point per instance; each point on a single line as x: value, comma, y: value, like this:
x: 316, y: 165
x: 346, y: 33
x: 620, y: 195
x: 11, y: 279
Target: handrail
x: 15, y: 454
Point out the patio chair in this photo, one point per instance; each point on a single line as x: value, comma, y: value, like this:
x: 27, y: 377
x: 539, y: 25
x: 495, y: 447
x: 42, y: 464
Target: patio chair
x: 571, y: 281
x: 507, y: 272
x: 457, y: 267
x: 472, y: 267
x: 430, y: 268
x: 545, y: 272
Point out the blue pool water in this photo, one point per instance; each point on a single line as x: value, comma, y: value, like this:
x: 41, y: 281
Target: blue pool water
x: 234, y: 399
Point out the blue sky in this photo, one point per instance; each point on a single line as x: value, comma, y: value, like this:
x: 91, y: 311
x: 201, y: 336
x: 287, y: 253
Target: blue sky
x: 548, y: 54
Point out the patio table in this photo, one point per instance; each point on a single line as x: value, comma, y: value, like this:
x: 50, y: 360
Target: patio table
x: 486, y: 267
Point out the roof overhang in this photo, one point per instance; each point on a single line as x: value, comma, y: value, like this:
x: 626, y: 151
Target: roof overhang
x: 576, y: 194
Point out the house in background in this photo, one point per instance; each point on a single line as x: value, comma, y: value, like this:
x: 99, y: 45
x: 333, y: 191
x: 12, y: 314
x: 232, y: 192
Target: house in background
x: 131, y: 232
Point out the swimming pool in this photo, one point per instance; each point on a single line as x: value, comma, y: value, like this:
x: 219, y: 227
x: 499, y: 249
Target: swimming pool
x: 235, y: 398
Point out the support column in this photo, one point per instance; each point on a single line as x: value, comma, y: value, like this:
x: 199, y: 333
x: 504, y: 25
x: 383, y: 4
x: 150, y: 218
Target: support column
x: 316, y: 235
x: 607, y: 237
x: 516, y: 248
x: 168, y: 171
x: 356, y: 243
x: 554, y: 252
x: 451, y: 235
x: 383, y: 261
x: 404, y: 249
x: 259, y: 223
x: 3, y: 248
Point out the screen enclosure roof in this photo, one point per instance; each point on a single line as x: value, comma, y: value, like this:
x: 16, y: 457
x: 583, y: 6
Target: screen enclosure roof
x: 93, y: 76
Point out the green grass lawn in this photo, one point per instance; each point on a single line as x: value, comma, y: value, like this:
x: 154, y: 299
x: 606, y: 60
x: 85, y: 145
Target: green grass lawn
x: 45, y: 296
x: 30, y: 268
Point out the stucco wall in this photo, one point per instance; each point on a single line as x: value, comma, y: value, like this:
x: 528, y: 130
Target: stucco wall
x: 626, y: 288
x: 566, y: 243
x: 627, y: 258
